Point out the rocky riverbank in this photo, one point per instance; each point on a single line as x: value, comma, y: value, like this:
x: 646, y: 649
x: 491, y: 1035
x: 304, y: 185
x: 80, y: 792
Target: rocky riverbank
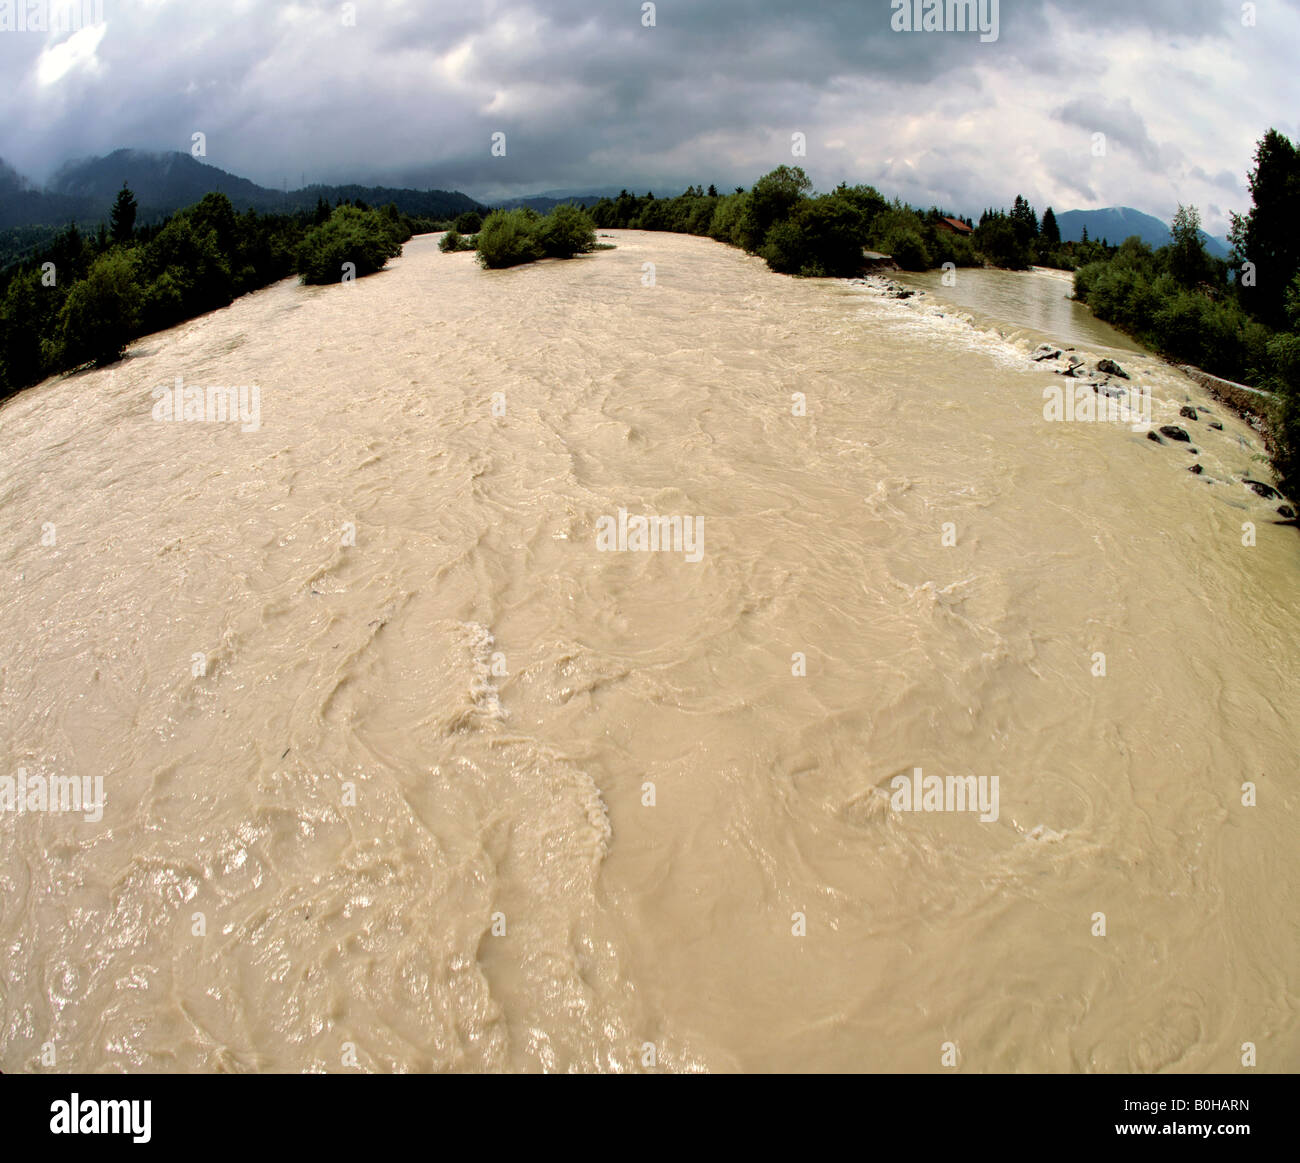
x: 1105, y: 390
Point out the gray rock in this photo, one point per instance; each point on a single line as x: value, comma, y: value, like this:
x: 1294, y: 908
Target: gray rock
x: 1190, y: 413
x: 1268, y: 492
x: 1111, y: 368
x: 1174, y: 432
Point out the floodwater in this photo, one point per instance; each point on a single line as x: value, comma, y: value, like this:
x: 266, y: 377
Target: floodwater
x: 406, y: 765
x: 1034, y: 304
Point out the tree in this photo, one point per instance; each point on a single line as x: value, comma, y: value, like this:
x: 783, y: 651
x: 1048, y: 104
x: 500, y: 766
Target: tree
x: 1267, y: 236
x: 1000, y: 240
x: 28, y: 311
x: 123, y: 215
x: 824, y: 238
x: 1188, y: 262
x: 1025, y: 220
x: 773, y: 198
x: 363, y: 238
x: 471, y: 222
x: 1050, y: 230
x: 101, y: 312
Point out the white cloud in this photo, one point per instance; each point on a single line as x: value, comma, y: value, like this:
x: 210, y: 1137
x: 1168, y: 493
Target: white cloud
x: 77, y: 52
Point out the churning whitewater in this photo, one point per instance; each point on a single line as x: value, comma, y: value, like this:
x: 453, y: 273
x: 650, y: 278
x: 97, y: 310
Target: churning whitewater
x: 414, y: 756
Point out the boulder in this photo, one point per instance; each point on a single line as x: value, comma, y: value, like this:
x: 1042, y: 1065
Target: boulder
x: 1286, y: 511
x: 1187, y: 411
x: 1174, y: 432
x: 1111, y: 368
x: 1154, y: 436
x: 1216, y: 425
x: 1196, y: 468
x: 1268, y: 492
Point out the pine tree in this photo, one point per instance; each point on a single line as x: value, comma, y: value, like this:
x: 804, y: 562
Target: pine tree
x: 1050, y: 230
x: 123, y: 216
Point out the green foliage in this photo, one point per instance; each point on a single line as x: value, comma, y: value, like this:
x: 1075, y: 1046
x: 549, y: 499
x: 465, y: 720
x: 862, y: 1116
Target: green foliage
x: 28, y: 311
x: 99, y: 294
x: 824, y: 237
x: 185, y: 272
x: 471, y: 222
x: 453, y: 241
x: 775, y: 197
x: 365, y: 238
x: 725, y: 222
x: 101, y: 312
x: 511, y: 237
x: 508, y: 238
x: 907, y: 248
x: 1004, y: 241
x: 566, y: 231
x: 1051, y: 230
x: 1267, y: 236
x: 1188, y: 262
x: 123, y: 215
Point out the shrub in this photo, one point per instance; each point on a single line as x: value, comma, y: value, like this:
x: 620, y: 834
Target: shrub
x: 511, y: 237
x: 364, y: 238
x: 566, y: 231
x: 907, y: 249
x: 453, y: 241
x: 471, y: 222
x: 508, y: 238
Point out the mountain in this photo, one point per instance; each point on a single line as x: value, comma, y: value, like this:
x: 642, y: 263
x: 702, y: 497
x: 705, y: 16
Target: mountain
x: 165, y: 182
x: 1116, y: 223
x: 544, y: 203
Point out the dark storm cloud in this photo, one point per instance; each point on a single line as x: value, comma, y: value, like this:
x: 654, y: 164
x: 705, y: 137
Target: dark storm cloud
x: 587, y: 96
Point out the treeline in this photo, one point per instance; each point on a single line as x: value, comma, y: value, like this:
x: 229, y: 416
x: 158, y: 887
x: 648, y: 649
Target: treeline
x: 1016, y: 240
x: 83, y: 297
x: 819, y: 235
x: 1240, y: 318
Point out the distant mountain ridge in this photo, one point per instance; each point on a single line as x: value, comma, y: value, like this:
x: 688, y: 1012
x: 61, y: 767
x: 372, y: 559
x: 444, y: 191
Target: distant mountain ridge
x: 1116, y: 223
x: 165, y: 182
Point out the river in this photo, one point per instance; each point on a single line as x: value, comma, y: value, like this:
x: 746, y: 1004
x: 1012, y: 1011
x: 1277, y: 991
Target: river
x: 408, y: 767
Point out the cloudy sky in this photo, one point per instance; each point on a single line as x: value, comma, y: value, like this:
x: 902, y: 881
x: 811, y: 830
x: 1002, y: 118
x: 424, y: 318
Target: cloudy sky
x: 590, y: 96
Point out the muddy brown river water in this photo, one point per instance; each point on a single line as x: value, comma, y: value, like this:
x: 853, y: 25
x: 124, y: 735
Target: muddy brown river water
x: 403, y: 768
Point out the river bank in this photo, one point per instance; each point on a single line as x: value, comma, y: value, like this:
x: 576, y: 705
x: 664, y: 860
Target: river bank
x: 984, y: 300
